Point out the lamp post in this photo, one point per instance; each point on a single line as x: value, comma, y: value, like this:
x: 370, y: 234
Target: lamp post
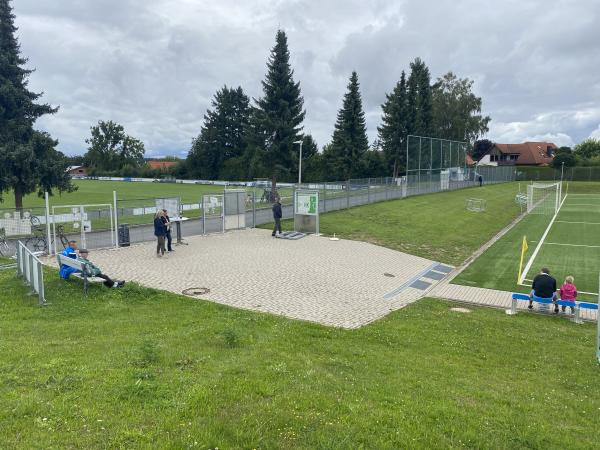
x: 562, y: 170
x: 299, y: 162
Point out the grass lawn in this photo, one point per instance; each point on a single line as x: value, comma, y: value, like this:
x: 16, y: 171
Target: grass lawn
x: 435, y: 226
x: 497, y: 268
x: 96, y: 191
x: 139, y: 368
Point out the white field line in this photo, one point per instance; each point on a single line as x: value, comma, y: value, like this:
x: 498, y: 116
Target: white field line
x: 531, y: 281
x: 573, y: 245
x: 582, y: 204
x: 539, y: 246
x: 580, y: 223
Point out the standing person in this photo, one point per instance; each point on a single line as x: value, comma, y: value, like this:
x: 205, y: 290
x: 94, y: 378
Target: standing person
x: 71, y: 252
x: 568, y: 293
x: 543, y: 286
x: 277, y: 214
x: 160, y: 231
x: 167, y: 221
x: 480, y: 179
x: 94, y: 271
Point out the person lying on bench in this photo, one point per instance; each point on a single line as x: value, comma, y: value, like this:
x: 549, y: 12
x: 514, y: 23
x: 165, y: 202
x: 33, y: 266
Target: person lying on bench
x: 70, y: 252
x: 93, y: 271
x: 543, y: 286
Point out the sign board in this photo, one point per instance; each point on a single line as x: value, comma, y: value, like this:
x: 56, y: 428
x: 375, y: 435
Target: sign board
x: 170, y: 204
x: 306, y: 212
x: 307, y: 203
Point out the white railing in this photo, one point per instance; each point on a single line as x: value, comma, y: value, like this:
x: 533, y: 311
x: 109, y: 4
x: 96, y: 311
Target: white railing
x: 30, y: 268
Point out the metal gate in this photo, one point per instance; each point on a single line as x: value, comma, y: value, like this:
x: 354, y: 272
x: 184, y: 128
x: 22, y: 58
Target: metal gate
x: 92, y: 225
x: 235, y: 209
x: 212, y: 213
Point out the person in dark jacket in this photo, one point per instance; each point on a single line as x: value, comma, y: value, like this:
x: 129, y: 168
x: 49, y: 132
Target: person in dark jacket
x: 543, y: 286
x: 167, y: 221
x: 277, y: 214
x: 480, y: 179
x: 160, y: 231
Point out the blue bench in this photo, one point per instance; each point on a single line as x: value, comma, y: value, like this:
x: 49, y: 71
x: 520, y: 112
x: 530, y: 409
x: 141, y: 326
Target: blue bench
x: 578, y: 306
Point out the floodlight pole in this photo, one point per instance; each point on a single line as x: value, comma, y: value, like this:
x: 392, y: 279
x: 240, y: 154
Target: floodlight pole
x: 299, y: 162
x: 562, y: 171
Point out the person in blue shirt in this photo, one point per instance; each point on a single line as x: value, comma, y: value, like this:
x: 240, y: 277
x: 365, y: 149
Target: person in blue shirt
x: 70, y: 252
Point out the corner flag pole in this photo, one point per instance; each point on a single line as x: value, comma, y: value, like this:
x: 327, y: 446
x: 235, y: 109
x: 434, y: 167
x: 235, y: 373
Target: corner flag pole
x: 524, y: 248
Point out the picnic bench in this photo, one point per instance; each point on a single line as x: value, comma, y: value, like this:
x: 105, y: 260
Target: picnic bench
x: 576, y: 305
x: 81, y: 267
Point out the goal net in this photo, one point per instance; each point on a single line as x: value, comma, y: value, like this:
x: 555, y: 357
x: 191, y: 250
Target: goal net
x: 543, y: 198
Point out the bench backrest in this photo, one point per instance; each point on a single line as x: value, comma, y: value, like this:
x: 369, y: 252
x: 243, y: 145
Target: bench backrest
x: 65, y: 260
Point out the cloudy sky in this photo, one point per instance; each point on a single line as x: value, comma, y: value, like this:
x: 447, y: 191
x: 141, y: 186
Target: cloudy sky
x: 153, y: 65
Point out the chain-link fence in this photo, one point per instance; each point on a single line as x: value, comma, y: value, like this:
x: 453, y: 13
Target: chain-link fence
x: 588, y: 173
x: 125, y: 221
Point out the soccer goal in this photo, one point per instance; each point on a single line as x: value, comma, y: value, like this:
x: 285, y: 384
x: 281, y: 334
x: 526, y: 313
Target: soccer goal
x: 543, y: 198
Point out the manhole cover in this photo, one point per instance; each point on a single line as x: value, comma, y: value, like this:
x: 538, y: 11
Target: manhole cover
x: 391, y: 275
x: 460, y: 310
x: 195, y: 291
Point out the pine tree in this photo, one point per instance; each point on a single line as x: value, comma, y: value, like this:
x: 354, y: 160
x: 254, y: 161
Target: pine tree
x: 349, y: 142
x: 222, y: 135
x: 28, y: 158
x: 277, y: 118
x: 393, y: 131
x: 420, y: 106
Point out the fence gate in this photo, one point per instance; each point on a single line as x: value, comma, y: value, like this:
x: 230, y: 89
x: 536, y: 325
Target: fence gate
x: 212, y: 213
x: 235, y: 209
x: 92, y: 225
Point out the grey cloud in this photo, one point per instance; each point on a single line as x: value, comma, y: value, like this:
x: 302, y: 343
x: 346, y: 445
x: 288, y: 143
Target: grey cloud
x: 154, y: 65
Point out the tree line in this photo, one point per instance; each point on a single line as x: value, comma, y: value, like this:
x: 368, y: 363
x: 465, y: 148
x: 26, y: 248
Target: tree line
x: 244, y: 139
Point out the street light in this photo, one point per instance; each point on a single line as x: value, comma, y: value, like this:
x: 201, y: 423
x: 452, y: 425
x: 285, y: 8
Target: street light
x: 562, y: 170
x: 299, y: 162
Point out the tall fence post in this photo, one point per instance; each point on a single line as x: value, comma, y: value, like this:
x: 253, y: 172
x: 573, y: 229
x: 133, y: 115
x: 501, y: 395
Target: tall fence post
x: 253, y: 208
x: 348, y: 194
x: 48, y: 234
x: 116, y: 219
x: 324, y: 197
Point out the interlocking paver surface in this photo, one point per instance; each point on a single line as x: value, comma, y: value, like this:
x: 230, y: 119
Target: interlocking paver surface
x: 337, y: 283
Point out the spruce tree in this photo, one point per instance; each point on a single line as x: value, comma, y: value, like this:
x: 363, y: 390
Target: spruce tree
x: 420, y: 106
x: 28, y: 158
x: 393, y: 131
x: 349, y: 142
x: 277, y: 117
x: 222, y: 135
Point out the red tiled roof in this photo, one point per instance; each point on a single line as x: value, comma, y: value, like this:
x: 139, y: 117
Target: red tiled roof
x: 161, y: 164
x: 530, y: 153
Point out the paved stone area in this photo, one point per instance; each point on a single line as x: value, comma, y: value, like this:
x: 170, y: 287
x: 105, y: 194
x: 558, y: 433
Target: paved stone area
x: 336, y: 283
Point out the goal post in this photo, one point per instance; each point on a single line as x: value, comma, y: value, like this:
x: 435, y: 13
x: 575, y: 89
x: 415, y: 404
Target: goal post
x: 544, y: 198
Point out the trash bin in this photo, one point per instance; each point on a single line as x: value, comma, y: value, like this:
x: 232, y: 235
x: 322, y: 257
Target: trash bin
x: 124, y: 235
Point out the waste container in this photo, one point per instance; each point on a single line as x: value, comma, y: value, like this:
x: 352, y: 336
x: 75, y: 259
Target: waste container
x: 124, y: 235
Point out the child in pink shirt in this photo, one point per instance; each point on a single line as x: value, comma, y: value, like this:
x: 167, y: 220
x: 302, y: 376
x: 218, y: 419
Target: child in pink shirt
x: 568, y: 293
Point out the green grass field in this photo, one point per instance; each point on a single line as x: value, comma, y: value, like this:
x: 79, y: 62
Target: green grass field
x: 435, y: 226
x: 96, y: 191
x: 140, y: 368
x: 571, y: 247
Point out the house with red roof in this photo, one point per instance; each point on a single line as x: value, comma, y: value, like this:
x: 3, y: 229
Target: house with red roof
x: 525, y: 154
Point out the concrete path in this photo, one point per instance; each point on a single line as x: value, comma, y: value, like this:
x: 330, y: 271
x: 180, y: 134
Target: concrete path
x: 490, y: 297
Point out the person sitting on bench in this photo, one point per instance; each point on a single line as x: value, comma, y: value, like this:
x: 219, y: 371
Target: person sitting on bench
x: 93, y: 271
x: 543, y: 286
x: 70, y: 252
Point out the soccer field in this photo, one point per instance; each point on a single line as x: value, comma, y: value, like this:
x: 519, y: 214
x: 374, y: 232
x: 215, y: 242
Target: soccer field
x: 571, y: 243
x: 568, y: 244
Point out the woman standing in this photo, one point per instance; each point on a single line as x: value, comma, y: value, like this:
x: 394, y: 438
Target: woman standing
x: 160, y: 231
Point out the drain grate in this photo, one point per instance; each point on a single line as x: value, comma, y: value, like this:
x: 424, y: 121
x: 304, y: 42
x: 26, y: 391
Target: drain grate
x: 195, y: 291
x: 391, y: 275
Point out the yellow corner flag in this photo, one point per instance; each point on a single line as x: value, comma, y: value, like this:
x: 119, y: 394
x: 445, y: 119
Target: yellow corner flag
x: 524, y: 248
